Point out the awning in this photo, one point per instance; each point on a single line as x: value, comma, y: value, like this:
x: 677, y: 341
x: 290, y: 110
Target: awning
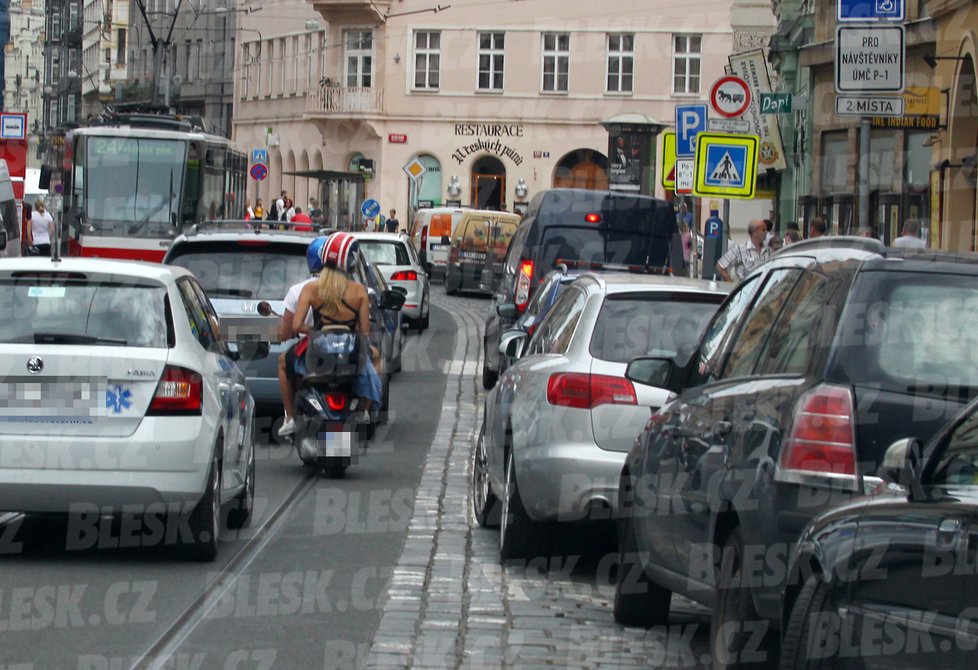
x: 324, y: 175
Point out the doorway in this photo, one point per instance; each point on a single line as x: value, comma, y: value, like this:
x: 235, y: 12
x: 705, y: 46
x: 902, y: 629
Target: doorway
x: 489, y: 184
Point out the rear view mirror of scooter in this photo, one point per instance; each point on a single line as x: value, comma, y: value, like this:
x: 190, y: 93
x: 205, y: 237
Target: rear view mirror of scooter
x: 265, y: 309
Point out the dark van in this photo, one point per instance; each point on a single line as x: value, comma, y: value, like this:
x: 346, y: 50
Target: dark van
x: 580, y: 227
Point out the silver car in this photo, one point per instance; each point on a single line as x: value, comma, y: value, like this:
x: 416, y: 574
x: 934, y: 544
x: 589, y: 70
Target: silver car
x: 118, y: 393
x: 398, y: 261
x: 558, y: 424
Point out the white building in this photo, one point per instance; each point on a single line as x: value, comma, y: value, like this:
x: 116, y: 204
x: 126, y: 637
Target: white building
x: 24, y: 69
x: 104, y: 32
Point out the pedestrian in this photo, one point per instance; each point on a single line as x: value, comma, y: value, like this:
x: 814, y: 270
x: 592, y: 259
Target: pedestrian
x: 301, y: 218
x: 290, y: 211
x: 816, y: 228
x: 910, y: 237
x: 249, y: 212
x: 41, y: 230
x: 741, y: 258
x: 392, y: 222
x: 280, y: 206
x: 315, y: 213
x: 791, y: 236
x: 273, y: 210
x: 865, y: 231
x: 769, y: 224
x: 259, y: 210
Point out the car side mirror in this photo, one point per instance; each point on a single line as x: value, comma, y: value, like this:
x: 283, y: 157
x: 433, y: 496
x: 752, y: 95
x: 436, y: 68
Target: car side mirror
x: 651, y: 371
x: 392, y: 300
x: 233, y: 352
x: 399, y: 289
x: 903, y: 465
x: 508, y: 310
x: 512, y: 343
x: 3, y: 240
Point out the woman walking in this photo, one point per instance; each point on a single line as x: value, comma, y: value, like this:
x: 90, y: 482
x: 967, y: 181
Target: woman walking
x: 41, y: 229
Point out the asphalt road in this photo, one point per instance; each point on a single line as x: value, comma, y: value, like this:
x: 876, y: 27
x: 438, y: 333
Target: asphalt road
x: 300, y: 587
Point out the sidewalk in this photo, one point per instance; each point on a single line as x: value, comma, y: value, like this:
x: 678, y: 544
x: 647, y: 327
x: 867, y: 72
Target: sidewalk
x: 452, y: 605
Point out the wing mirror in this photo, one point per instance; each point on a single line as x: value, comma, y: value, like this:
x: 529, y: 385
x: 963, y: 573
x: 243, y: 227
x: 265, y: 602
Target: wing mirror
x: 265, y: 309
x: 508, y: 310
x: 392, y: 299
x: 903, y: 464
x: 233, y: 352
x: 650, y: 371
x: 399, y: 289
x: 513, y: 343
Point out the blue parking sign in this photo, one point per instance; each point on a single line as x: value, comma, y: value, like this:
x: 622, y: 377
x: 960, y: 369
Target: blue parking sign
x: 871, y: 10
x: 690, y: 120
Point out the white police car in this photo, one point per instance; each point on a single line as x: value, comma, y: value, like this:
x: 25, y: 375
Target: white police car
x: 118, y: 397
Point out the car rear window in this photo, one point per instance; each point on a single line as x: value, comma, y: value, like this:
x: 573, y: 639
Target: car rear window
x: 593, y: 245
x: 661, y: 324
x: 244, y: 269
x: 911, y: 333
x: 73, y: 308
x: 440, y: 225
x: 385, y: 253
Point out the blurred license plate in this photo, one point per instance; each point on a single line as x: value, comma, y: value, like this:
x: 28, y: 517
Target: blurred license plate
x: 64, y: 396
x: 335, y: 444
x: 440, y: 247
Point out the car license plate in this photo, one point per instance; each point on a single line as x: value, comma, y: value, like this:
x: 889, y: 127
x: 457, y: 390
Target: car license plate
x: 69, y: 397
x: 439, y: 247
x: 335, y: 444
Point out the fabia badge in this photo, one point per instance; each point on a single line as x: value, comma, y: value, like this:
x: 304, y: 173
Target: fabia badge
x: 35, y: 365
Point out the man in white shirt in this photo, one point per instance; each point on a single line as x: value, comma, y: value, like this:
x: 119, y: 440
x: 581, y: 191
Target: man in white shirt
x: 280, y: 206
x: 910, y: 238
x: 741, y: 258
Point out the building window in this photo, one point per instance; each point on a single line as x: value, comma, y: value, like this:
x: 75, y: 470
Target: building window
x: 621, y: 61
x: 556, y: 61
x: 686, y: 54
x: 491, y: 60
x: 427, y: 59
x: 120, y: 47
x: 359, y: 58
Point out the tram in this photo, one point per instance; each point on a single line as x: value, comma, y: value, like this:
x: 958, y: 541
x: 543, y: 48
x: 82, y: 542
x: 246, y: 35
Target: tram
x: 135, y: 181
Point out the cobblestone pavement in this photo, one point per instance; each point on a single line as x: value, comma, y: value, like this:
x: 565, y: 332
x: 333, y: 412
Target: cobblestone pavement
x: 451, y: 604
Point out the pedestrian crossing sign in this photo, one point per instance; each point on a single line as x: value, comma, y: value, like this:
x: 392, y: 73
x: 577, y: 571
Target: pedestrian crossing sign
x: 726, y: 165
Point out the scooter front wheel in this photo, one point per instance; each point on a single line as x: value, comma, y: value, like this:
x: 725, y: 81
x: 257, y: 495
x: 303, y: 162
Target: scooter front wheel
x: 334, y: 468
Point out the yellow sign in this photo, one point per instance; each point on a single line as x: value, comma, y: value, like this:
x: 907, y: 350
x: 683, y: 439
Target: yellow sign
x: 415, y: 168
x: 669, y: 160
x: 922, y: 101
x: 726, y: 165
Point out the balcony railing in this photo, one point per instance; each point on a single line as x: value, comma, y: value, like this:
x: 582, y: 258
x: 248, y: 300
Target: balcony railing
x: 344, y: 100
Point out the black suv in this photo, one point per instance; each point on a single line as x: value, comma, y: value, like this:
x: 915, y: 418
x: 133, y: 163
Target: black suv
x: 816, y: 363
x: 581, y: 228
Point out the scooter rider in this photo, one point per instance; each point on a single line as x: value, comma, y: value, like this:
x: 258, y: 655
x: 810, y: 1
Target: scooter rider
x: 286, y: 360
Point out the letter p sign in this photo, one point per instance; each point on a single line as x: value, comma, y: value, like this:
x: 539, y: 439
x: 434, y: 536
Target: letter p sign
x: 690, y: 120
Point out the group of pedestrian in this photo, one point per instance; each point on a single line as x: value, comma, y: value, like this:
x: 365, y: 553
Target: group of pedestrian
x: 741, y: 258
x: 284, y: 211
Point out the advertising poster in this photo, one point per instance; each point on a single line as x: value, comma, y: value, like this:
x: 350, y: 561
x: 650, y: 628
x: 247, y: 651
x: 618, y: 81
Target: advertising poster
x: 627, y: 154
x: 752, y: 68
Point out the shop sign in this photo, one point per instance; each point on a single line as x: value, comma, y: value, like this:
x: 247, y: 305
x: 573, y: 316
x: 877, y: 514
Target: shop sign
x: 397, y: 138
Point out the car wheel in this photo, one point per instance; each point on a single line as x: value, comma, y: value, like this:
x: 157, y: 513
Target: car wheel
x: 426, y: 318
x: 484, y: 501
x: 422, y: 321
x: 489, y: 378
x: 240, y: 512
x: 802, y: 636
x: 739, y: 636
x: 638, y: 600
x: 519, y: 535
x: 396, y: 366
x: 205, y: 520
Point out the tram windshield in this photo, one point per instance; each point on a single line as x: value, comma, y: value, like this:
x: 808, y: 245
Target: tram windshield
x: 135, y: 182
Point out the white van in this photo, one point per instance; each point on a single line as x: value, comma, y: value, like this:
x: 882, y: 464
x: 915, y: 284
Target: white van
x: 10, y: 222
x: 431, y: 231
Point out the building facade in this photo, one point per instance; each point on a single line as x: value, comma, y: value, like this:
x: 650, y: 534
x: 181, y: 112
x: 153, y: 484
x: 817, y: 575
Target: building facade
x: 62, y: 91
x: 24, y: 65
x: 494, y: 107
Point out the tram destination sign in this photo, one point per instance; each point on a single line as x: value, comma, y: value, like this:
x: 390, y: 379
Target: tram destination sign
x: 870, y: 59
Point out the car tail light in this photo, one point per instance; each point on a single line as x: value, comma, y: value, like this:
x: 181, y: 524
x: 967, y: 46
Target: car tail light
x: 424, y: 237
x: 532, y: 328
x: 523, y: 279
x: 585, y: 391
x: 593, y: 218
x: 179, y: 393
x: 336, y: 401
x: 405, y: 275
x: 822, y: 441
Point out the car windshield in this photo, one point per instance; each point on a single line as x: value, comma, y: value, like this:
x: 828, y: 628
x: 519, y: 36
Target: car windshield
x: 385, y: 253
x: 664, y: 324
x: 57, y: 308
x: 244, y: 269
x: 896, y: 334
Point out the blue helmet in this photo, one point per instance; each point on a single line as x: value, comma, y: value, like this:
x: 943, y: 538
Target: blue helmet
x: 314, y: 255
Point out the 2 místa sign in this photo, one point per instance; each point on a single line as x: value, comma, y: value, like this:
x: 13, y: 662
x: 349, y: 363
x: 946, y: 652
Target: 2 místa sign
x: 869, y: 59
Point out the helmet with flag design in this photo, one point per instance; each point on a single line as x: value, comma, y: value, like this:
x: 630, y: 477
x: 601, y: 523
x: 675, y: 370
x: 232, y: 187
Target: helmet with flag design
x: 340, y: 251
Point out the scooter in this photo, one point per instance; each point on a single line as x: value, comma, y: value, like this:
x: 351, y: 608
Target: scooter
x: 329, y: 426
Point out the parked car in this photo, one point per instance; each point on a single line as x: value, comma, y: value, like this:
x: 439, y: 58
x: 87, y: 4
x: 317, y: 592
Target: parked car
x: 431, y: 233
x: 479, y: 244
x: 901, y: 561
x: 552, y: 285
x: 585, y: 226
x: 558, y: 423
x: 10, y: 223
x: 239, y: 267
x: 118, y: 392
x: 398, y: 261
x: 818, y: 360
